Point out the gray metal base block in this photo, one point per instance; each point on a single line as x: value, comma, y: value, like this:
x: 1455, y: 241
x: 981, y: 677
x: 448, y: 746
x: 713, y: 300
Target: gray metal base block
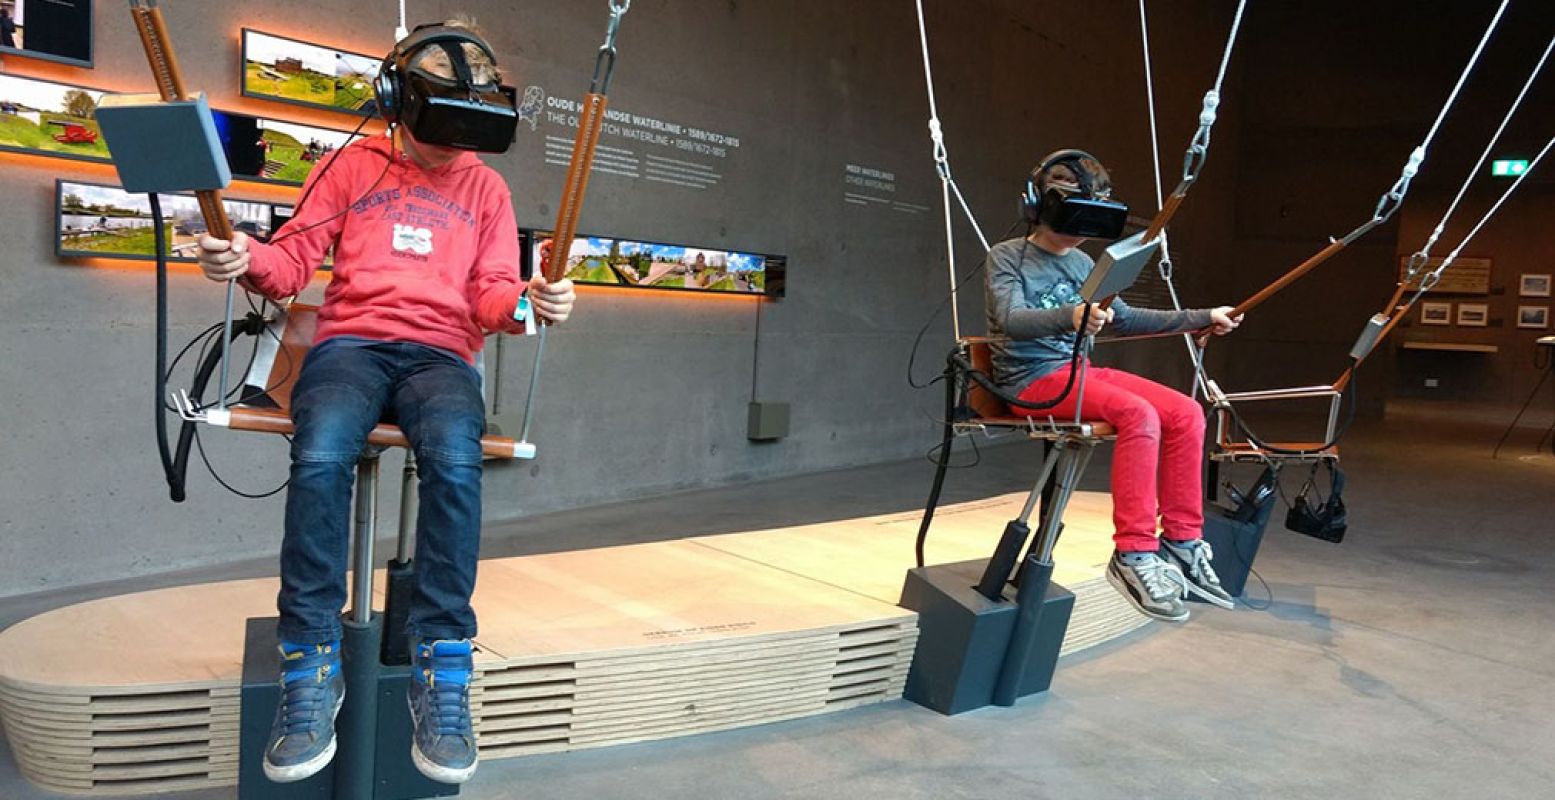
x: 1235, y: 544
x: 963, y: 636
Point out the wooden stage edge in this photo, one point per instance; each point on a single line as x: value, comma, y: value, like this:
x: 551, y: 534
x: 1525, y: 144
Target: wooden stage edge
x: 138, y: 694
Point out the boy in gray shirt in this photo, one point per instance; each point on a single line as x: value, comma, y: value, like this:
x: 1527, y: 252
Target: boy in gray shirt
x: 1035, y: 307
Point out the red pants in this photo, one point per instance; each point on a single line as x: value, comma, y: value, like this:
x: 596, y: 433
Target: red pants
x: 1157, y: 466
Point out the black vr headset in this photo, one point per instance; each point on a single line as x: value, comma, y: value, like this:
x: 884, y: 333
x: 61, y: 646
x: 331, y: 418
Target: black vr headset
x: 1087, y: 211
x: 458, y: 113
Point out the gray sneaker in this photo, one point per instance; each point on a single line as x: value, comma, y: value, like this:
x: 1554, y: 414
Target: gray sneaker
x: 302, y: 738
x: 443, y: 746
x: 1193, y: 559
x: 1153, y: 586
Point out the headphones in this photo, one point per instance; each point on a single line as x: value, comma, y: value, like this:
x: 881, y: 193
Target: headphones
x: 1034, y: 202
x: 389, y: 86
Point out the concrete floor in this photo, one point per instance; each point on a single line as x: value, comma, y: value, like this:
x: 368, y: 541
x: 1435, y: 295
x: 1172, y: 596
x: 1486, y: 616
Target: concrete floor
x: 1411, y: 661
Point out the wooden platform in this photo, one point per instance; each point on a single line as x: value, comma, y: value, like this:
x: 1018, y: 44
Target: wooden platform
x: 138, y: 694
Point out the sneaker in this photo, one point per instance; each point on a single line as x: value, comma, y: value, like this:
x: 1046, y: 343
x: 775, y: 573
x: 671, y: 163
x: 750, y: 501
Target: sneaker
x: 1193, y: 558
x: 443, y: 747
x: 1153, y: 586
x: 302, y: 739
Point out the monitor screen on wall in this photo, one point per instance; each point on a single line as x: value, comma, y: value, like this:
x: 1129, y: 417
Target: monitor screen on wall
x: 102, y: 221
x: 653, y: 265
x: 272, y: 150
x: 56, y: 30
x: 292, y: 71
x: 58, y: 119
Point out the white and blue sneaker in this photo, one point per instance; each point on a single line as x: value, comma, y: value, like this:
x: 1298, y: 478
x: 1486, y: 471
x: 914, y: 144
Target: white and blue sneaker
x: 302, y: 738
x: 443, y: 746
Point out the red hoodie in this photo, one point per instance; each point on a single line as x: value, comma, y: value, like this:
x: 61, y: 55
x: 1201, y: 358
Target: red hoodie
x: 424, y: 256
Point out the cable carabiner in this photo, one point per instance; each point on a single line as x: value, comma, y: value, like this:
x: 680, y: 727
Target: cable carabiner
x: 605, y: 61
x: 616, y: 13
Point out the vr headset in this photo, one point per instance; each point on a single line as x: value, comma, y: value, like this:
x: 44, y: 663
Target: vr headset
x: 1087, y: 211
x: 458, y: 112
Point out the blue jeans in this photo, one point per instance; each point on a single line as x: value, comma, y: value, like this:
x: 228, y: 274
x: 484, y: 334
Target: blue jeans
x: 347, y: 386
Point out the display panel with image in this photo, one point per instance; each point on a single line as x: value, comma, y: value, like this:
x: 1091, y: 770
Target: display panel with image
x: 652, y: 265
x: 108, y: 222
x: 1529, y: 285
x: 54, y: 118
x: 269, y: 150
x: 1537, y: 317
x: 58, y: 119
x: 277, y: 68
x: 56, y: 30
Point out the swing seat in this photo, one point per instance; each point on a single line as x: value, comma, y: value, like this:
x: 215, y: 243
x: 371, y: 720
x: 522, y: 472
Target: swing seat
x: 991, y: 412
x: 275, y: 371
x: 1227, y: 448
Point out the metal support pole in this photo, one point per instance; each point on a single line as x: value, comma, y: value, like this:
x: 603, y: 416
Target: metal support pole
x: 1015, y: 535
x: 366, y: 527
x: 356, y: 729
x: 410, y: 506
x: 401, y: 574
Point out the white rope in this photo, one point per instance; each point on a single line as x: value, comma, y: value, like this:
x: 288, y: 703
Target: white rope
x: 1155, y: 145
x: 1195, y: 355
x: 1465, y: 76
x: 1488, y: 214
x: 1436, y: 233
x: 1225, y: 59
x: 947, y: 183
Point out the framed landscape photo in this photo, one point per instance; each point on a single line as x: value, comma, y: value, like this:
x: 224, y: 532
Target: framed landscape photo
x: 290, y: 71
x: 1473, y: 315
x: 1534, y: 286
x: 1436, y: 313
x: 1537, y: 317
x: 653, y: 265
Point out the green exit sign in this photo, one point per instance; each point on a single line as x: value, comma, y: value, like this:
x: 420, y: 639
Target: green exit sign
x: 1508, y: 168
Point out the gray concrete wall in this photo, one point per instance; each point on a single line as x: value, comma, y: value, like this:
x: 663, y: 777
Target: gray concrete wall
x: 645, y: 393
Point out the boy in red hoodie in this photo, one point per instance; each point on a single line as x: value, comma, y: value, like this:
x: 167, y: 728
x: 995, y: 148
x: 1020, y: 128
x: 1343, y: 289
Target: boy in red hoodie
x: 426, y: 260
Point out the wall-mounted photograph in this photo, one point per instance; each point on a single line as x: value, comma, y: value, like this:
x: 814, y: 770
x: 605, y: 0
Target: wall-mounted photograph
x: 651, y: 265
x: 1473, y: 315
x: 54, y: 30
x: 1436, y: 313
x: 292, y: 71
x: 107, y: 222
x: 271, y: 150
x: 54, y: 118
x: 1534, y: 285
x: 1533, y: 317
x: 60, y: 120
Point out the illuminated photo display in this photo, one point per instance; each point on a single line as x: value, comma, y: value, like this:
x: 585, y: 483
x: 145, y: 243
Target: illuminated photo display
x: 290, y: 71
x: 103, y: 221
x: 58, y: 119
x: 653, y: 265
x: 53, y: 118
x: 54, y: 30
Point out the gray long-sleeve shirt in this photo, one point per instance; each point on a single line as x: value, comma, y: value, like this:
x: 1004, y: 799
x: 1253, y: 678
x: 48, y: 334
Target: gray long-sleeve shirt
x: 1031, y: 298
